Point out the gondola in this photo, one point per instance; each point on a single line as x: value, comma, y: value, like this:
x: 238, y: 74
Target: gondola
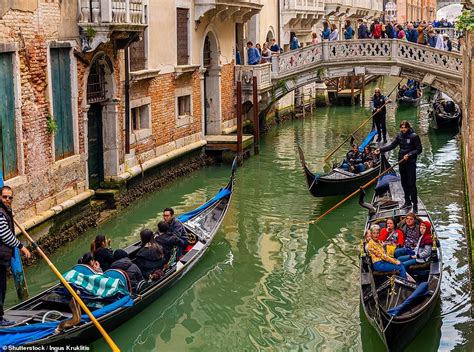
x: 380, y: 292
x: 46, y: 310
x: 403, y: 99
x: 444, y: 112
x: 337, y: 181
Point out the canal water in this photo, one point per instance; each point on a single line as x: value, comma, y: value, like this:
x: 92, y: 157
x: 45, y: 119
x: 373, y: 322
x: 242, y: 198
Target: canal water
x: 271, y: 282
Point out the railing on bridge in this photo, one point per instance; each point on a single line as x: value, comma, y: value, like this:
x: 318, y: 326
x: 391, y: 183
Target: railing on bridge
x: 352, y: 51
x: 263, y: 72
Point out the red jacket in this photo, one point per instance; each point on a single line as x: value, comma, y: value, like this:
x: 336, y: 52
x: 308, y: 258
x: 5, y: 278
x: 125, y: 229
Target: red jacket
x: 384, y: 234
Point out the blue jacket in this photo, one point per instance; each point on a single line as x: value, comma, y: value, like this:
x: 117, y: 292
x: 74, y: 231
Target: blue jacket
x: 363, y: 31
x: 432, y: 41
x: 412, y: 36
x: 253, y: 55
x: 349, y: 33
x: 326, y: 33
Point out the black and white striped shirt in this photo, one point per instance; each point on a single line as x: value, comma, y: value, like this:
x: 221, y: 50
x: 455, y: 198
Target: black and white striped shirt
x: 7, y: 237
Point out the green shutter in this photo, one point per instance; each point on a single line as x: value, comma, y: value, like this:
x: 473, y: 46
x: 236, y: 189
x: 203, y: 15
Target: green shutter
x: 62, y: 109
x: 8, y: 158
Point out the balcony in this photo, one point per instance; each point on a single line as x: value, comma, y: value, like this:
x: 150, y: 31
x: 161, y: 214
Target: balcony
x: 239, y: 10
x: 301, y: 15
x: 103, y: 20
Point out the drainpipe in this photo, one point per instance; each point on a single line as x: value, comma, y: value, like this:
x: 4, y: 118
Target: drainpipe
x: 279, y: 24
x: 127, y: 101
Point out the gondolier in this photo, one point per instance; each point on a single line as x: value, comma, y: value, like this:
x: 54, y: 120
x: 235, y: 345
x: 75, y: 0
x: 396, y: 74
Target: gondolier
x: 410, y: 147
x: 8, y: 241
x: 378, y: 101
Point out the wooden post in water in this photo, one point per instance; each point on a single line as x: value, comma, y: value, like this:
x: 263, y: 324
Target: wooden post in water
x: 302, y: 101
x: 256, y: 121
x: 311, y: 101
x: 363, y: 89
x: 352, y: 89
x: 239, y: 120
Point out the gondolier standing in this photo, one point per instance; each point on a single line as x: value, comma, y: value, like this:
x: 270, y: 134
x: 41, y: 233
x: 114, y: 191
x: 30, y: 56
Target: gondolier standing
x: 410, y: 147
x: 378, y: 101
x: 8, y: 241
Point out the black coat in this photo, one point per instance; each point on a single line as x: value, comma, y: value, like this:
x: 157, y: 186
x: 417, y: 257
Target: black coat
x: 132, y: 270
x: 149, y: 259
x: 354, y: 158
x: 376, y: 102
x: 409, y: 143
x: 105, y: 257
x: 168, y: 241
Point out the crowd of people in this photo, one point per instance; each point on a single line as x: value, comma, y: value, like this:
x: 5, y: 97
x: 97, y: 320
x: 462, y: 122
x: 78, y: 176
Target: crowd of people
x: 421, y: 32
x: 396, y: 249
x: 157, y: 249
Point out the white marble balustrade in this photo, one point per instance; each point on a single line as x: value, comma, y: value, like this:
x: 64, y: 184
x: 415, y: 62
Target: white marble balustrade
x: 245, y: 74
x: 111, y: 12
x: 382, y: 51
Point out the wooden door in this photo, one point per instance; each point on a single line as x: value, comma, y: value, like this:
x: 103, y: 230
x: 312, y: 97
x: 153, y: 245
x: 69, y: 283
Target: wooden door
x: 95, y: 161
x: 8, y: 157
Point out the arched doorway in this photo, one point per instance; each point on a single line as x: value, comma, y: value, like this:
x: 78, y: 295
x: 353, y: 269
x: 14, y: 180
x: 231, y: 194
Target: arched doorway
x: 269, y: 37
x: 99, y: 94
x: 212, y: 83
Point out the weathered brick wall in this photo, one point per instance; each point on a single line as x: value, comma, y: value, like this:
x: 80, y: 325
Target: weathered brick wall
x: 42, y: 183
x: 227, y: 92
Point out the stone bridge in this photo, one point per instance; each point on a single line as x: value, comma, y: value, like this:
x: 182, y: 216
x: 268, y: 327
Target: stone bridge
x: 291, y: 70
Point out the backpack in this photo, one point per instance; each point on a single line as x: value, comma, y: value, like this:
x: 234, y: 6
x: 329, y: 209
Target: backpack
x: 377, y: 31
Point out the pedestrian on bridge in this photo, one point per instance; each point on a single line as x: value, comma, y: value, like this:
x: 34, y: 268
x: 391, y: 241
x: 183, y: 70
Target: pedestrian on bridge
x: 379, y: 111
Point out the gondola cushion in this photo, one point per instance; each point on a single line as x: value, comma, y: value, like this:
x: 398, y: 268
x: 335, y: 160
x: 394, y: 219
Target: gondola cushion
x: 383, y: 183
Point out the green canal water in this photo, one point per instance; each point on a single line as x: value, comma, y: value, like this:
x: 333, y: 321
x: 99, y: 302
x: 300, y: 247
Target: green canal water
x: 271, y: 282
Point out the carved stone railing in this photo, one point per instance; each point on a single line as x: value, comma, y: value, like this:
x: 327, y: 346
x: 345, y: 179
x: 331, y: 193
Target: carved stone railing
x: 307, y: 5
x: 98, y: 19
x: 451, y: 32
x: 366, y: 52
x: 111, y: 11
x: 245, y: 74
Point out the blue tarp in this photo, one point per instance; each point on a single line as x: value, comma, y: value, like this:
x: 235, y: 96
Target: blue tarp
x: 16, y: 336
x: 224, y: 192
x: 367, y: 140
x: 420, y: 292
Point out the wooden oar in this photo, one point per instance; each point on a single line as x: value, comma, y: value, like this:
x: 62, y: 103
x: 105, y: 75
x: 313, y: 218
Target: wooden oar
x: 361, y: 125
x: 357, y: 191
x: 99, y: 327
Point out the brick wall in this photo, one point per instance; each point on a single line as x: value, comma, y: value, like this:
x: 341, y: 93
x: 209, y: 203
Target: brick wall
x: 42, y: 183
x: 227, y: 92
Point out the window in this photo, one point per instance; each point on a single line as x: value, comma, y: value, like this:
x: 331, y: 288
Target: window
x: 140, y: 117
x: 184, y: 105
x: 62, y: 101
x: 182, y: 35
x: 8, y: 157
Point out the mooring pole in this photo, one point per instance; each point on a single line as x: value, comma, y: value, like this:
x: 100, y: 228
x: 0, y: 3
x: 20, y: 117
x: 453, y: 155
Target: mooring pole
x: 256, y: 121
x: 352, y: 89
x: 363, y: 89
x: 239, y: 120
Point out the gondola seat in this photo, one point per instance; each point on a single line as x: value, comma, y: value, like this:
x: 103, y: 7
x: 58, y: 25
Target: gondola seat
x: 121, y: 275
x: 385, y: 273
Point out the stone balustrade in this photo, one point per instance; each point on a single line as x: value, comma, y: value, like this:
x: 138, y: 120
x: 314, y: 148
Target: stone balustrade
x: 245, y: 74
x: 427, y: 59
x: 107, y: 12
x: 307, y: 5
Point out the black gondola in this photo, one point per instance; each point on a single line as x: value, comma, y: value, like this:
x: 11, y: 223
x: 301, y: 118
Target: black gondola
x: 403, y: 99
x: 381, y: 291
x: 444, y: 112
x: 337, y: 181
x: 202, y: 224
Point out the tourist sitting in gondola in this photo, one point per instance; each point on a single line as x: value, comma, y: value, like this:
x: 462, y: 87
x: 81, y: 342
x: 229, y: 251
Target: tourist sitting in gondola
x: 88, y: 259
x: 412, y: 92
x: 391, y: 237
x: 448, y: 106
x: 354, y: 161
x: 176, y: 226
x: 411, y: 230
x: 169, y: 240
x: 149, y: 257
x: 380, y: 260
x: 369, y: 158
x: 423, y: 249
x: 123, y: 262
x: 102, y: 252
